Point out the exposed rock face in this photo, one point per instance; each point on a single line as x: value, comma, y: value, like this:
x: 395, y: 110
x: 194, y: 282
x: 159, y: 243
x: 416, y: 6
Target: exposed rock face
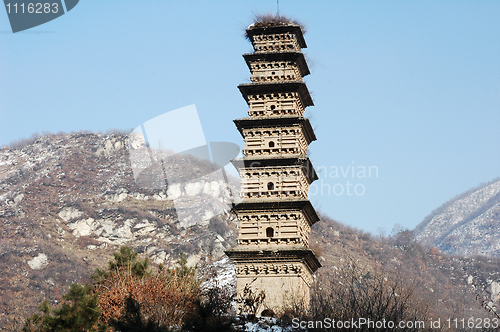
x: 39, y: 262
x: 494, y: 290
x: 18, y: 198
x: 69, y: 213
x: 467, y: 225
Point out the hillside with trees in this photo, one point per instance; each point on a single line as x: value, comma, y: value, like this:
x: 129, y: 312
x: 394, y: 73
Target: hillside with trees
x: 69, y: 201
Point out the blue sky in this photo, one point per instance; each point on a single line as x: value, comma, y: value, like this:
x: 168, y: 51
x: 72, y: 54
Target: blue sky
x: 409, y: 88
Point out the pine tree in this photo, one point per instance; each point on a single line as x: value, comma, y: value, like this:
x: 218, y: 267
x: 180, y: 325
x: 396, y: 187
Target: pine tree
x: 79, y: 311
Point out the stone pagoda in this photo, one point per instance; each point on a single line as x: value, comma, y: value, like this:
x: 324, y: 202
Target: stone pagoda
x: 275, y: 216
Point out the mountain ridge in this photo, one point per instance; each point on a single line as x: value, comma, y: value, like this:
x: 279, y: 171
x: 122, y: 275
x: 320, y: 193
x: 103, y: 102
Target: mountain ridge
x: 467, y: 224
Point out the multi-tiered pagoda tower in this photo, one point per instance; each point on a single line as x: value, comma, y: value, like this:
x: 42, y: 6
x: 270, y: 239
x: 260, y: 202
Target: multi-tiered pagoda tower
x: 275, y: 215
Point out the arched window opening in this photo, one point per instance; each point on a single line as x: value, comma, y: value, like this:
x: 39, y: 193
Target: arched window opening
x: 273, y: 107
x: 267, y: 313
x: 270, y: 186
x: 269, y: 232
x: 271, y: 144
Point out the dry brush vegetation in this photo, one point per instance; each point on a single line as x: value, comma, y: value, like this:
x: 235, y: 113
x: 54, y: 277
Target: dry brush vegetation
x: 132, y: 295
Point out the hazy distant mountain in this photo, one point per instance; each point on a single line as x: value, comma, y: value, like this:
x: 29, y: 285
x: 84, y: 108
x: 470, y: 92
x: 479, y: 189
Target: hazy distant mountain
x: 468, y: 224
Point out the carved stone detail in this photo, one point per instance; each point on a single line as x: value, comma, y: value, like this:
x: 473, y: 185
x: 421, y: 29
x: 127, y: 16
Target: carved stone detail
x: 272, y: 71
x: 275, y: 104
x: 277, y: 141
x: 279, y: 42
x: 284, y: 270
x: 290, y: 228
x: 279, y: 181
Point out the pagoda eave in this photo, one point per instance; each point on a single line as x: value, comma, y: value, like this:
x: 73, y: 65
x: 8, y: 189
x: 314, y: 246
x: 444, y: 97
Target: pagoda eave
x: 270, y: 121
x: 265, y: 30
x: 278, y: 86
x: 244, y: 254
x: 273, y: 205
x: 298, y: 57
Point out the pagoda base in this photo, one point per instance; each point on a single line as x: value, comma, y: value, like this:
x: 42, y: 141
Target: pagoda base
x: 283, y: 275
x: 281, y: 292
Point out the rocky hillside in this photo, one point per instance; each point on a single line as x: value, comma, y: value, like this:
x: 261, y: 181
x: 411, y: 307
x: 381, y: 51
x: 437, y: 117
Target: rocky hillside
x: 469, y: 224
x: 67, y: 202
